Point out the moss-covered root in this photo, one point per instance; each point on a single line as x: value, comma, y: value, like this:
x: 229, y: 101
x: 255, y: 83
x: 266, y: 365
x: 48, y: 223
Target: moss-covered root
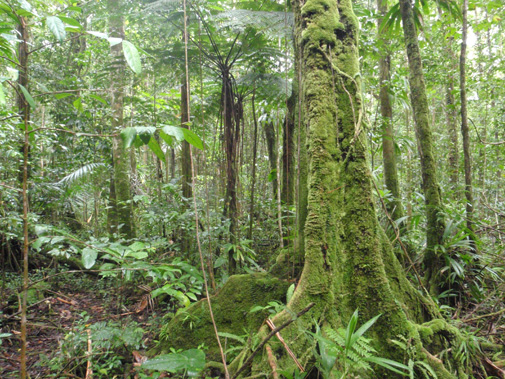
x: 192, y: 327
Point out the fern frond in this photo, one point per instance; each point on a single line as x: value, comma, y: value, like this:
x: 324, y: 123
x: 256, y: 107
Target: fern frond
x: 269, y: 23
x: 80, y: 173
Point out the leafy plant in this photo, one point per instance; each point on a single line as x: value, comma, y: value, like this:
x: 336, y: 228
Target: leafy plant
x: 345, y: 351
x: 414, y: 364
x: 190, y: 362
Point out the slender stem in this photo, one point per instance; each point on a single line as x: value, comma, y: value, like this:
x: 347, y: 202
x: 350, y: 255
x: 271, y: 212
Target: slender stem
x: 26, y: 147
x: 193, y: 182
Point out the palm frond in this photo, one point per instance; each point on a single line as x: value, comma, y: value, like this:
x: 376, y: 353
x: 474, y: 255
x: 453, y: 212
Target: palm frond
x: 80, y: 173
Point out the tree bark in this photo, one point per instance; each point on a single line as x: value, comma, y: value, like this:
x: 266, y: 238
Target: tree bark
x: 464, y: 122
x: 433, y: 262
x: 269, y: 130
x: 394, y: 207
x: 231, y: 120
x: 123, y: 201
x: 349, y: 262
x: 253, y: 174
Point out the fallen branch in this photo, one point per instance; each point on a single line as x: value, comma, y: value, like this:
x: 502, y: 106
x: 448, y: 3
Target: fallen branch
x: 267, y: 338
x: 291, y: 354
x: 486, y: 316
x: 271, y: 362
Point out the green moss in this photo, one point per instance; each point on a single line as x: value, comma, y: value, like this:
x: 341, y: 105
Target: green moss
x: 192, y: 326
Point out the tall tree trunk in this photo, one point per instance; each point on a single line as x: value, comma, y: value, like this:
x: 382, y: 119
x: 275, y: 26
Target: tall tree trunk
x: 288, y: 148
x: 24, y: 174
x: 394, y: 207
x: 451, y: 113
x: 253, y: 174
x: 231, y: 139
x: 270, y: 138
x: 433, y: 262
x: 120, y: 158
x: 346, y: 252
x: 464, y: 122
x: 187, y: 191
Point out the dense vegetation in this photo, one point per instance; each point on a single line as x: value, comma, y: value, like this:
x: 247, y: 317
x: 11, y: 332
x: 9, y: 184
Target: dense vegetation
x: 180, y: 180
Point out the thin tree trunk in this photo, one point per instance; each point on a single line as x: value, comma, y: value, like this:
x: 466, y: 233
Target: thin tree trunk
x: 120, y: 161
x: 231, y: 140
x: 433, y: 262
x: 253, y: 174
x: 24, y: 113
x: 187, y: 191
x: 394, y: 207
x: 272, y: 154
x: 464, y: 122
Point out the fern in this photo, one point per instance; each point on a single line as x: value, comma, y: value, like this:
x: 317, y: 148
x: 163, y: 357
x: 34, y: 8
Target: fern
x: 350, y: 351
x: 80, y: 173
x: 272, y: 24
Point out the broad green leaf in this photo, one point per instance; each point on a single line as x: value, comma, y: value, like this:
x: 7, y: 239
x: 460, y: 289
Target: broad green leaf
x: 272, y: 175
x: 25, y: 5
x: 165, y: 137
x: 137, y: 246
x: 174, y: 131
x: 132, y: 57
x: 60, y: 96
x: 128, y: 136
x: 98, y: 34
x: 28, y: 97
x: 189, y: 360
x: 114, y: 41
x: 98, y: 98
x: 290, y: 292
x: 2, y: 96
x: 70, y: 21
x: 145, y: 134
x: 156, y: 149
x: 57, y: 27
x: 89, y: 257
x: 75, y: 9
x: 192, y: 138
x: 137, y: 254
x: 78, y: 105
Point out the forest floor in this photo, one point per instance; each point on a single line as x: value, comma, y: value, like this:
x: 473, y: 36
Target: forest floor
x: 59, y: 323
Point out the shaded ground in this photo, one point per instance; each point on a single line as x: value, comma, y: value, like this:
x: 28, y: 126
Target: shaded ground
x: 59, y: 319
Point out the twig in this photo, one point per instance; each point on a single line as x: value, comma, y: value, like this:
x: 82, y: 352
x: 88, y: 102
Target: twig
x: 78, y: 134
x: 267, y: 338
x: 291, y: 354
x: 271, y: 362
x: 89, y: 370
x: 497, y: 313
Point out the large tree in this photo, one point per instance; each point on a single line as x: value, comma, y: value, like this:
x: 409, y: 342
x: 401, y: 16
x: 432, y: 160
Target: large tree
x: 349, y: 261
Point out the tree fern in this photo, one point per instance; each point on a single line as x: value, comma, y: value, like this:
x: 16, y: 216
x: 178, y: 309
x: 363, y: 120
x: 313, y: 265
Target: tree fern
x: 270, y: 23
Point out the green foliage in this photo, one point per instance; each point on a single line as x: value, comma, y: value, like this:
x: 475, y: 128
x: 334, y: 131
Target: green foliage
x: 345, y: 351
x: 190, y: 362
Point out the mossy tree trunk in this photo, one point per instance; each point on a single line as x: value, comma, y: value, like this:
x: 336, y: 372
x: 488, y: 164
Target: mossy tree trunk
x: 122, y: 202
x: 395, y: 207
x: 349, y: 262
x: 270, y: 138
x: 464, y: 122
x: 433, y: 262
